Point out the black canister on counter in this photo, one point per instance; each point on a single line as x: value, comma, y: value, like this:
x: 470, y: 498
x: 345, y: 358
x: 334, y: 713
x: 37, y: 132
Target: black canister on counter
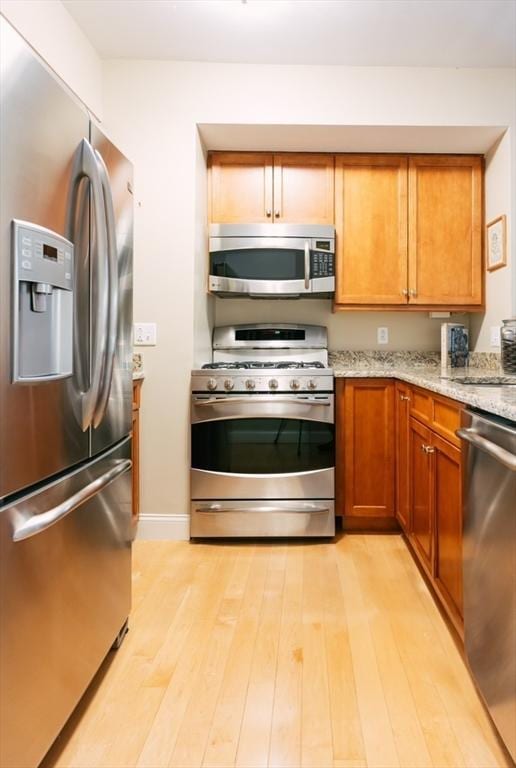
x: 508, y: 340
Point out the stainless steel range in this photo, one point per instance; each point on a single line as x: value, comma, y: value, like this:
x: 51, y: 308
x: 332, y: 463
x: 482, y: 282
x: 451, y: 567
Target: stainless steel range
x: 263, y: 437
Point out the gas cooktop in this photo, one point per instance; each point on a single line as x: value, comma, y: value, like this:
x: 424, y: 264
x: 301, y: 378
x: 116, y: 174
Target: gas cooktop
x: 276, y: 364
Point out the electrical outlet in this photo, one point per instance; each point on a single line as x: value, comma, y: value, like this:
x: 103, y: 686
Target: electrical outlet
x: 382, y: 335
x: 495, y: 336
x: 145, y: 334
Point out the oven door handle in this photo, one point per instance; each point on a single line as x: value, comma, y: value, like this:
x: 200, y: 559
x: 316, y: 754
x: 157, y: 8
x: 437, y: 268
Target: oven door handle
x: 311, y: 509
x: 257, y: 399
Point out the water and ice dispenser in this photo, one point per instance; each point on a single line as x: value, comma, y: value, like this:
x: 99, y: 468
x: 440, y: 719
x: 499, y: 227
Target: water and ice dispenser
x: 42, y: 304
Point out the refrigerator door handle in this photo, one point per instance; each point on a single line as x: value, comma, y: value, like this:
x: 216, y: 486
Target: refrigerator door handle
x: 85, y: 167
x: 112, y: 319
x: 39, y: 523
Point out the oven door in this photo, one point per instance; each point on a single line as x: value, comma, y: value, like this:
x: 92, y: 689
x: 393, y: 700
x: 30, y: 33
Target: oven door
x: 263, y: 447
x: 269, y: 267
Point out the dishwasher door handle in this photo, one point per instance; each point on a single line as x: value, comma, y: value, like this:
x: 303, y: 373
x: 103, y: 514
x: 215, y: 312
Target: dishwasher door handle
x: 492, y: 449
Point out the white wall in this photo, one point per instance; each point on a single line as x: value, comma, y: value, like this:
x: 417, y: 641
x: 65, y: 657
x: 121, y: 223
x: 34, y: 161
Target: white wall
x: 346, y: 330
x: 498, y: 283
x: 55, y: 35
x: 152, y: 109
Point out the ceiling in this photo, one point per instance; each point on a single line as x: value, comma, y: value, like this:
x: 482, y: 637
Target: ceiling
x: 420, y: 33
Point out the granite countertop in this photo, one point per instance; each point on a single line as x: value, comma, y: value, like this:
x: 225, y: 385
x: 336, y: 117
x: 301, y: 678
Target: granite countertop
x: 423, y: 371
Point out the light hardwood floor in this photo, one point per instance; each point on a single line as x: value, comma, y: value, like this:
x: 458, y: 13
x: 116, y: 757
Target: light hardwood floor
x: 329, y: 655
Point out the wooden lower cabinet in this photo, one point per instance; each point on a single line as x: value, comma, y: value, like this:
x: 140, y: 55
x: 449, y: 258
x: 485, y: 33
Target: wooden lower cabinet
x: 402, y: 409
x: 398, y: 459
x: 435, y: 531
x: 421, y: 528
x: 447, y: 489
x: 365, y: 448
x: 135, y: 455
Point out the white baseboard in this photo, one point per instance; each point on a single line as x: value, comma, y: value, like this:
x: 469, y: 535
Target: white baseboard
x: 163, y: 527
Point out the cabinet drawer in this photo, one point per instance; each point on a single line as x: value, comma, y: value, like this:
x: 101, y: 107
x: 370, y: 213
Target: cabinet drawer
x: 446, y: 418
x: 421, y: 405
x: 440, y: 413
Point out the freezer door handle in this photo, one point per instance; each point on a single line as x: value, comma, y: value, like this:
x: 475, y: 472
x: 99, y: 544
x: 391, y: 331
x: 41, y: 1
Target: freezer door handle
x: 39, y: 523
x: 86, y: 167
x: 495, y: 451
x: 112, y: 318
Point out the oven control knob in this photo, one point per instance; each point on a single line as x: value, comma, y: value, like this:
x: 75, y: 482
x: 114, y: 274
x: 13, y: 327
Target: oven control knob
x: 249, y: 384
x: 312, y: 384
x: 211, y: 384
x: 229, y: 384
x: 294, y: 384
x: 273, y: 383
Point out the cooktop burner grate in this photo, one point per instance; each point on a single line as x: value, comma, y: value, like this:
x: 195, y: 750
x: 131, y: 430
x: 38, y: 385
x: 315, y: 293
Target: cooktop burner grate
x: 248, y: 364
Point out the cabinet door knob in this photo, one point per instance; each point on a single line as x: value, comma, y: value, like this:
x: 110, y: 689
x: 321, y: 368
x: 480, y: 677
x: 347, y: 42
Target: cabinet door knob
x: 268, y: 212
x: 404, y: 292
x: 277, y: 214
x: 412, y: 292
x: 404, y: 397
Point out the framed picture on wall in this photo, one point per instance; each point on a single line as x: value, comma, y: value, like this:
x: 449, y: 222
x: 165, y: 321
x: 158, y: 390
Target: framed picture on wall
x: 496, y: 245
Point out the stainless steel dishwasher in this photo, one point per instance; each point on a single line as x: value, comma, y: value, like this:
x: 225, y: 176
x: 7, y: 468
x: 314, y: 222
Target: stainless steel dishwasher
x: 489, y: 554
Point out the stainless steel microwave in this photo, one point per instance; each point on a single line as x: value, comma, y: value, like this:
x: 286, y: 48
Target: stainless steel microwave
x: 272, y: 260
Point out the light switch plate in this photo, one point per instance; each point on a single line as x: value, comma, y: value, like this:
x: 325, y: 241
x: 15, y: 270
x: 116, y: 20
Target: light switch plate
x: 382, y: 335
x: 495, y: 336
x: 145, y: 334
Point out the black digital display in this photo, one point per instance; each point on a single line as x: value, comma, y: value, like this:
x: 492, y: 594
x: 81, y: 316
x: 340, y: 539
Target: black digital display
x: 322, y: 245
x: 49, y: 252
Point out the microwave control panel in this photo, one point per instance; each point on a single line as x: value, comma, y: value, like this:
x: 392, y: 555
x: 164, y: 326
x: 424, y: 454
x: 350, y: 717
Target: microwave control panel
x: 322, y: 264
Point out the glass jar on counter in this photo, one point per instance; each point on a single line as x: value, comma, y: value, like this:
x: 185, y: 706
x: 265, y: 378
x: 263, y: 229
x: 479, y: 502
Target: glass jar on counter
x: 508, y: 337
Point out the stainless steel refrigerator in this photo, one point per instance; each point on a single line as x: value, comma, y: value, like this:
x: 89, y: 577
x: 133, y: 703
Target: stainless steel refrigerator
x: 65, y: 401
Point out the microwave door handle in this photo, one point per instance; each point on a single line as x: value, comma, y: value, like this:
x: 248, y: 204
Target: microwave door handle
x: 85, y: 167
x: 307, y: 265
x: 112, y: 271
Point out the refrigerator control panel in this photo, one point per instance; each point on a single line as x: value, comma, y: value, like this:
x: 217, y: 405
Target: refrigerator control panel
x: 43, y: 301
x: 42, y: 256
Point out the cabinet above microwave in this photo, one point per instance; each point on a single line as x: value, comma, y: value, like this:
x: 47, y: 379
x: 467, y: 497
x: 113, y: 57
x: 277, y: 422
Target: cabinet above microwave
x: 272, y: 260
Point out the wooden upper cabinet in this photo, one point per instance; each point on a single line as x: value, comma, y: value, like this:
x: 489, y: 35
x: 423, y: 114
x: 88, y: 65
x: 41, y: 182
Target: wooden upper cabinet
x: 304, y: 189
x: 445, y: 230
x: 371, y: 223
x: 250, y: 188
x: 369, y: 449
x: 240, y: 187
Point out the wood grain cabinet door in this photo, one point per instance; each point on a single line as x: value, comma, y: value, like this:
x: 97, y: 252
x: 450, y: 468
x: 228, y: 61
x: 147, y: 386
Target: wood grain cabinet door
x: 421, y: 518
x: 304, y: 189
x: 371, y: 224
x: 447, y: 482
x: 240, y: 186
x: 402, y: 409
x: 369, y: 447
x: 445, y: 230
